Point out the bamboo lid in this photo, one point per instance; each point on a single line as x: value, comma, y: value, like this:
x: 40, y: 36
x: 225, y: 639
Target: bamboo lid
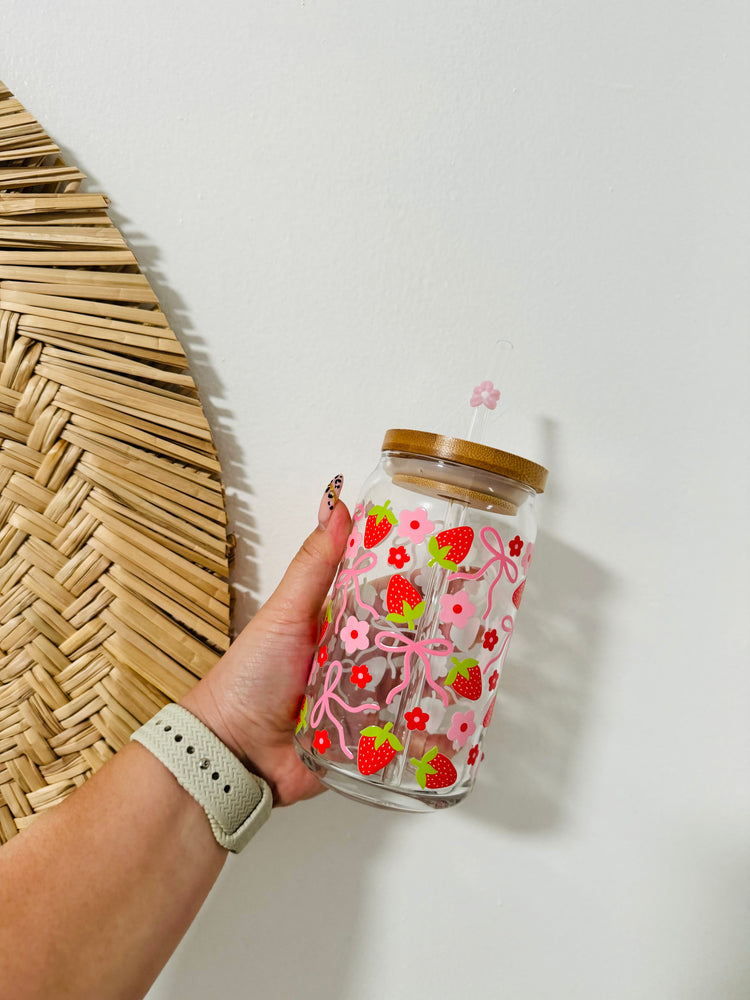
x: 476, y: 456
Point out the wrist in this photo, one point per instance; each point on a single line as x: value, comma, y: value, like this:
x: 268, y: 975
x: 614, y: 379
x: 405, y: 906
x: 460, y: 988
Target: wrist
x: 236, y: 801
x: 201, y: 702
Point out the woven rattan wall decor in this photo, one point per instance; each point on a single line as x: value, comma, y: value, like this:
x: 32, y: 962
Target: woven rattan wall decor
x: 113, y: 543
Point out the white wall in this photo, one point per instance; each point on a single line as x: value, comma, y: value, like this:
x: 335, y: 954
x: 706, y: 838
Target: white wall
x: 342, y: 205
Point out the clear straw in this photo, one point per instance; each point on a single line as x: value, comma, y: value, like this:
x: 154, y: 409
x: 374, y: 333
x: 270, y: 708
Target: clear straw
x: 487, y: 399
x: 487, y: 402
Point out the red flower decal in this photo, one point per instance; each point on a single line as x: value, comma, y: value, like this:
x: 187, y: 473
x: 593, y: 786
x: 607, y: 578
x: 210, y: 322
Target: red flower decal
x: 515, y: 546
x: 322, y: 740
x: 397, y: 557
x: 490, y: 639
x: 473, y: 754
x: 322, y: 655
x: 416, y: 719
x: 492, y: 682
x: 360, y: 676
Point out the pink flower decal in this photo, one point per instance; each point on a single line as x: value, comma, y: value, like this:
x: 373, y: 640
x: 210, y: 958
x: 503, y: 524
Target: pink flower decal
x: 353, y: 543
x: 526, y: 558
x: 456, y: 609
x: 462, y: 727
x: 354, y: 635
x: 490, y: 639
x: 414, y: 525
x: 485, y: 394
x: 515, y: 546
x: 416, y: 719
x: 322, y: 740
x: 397, y: 557
x: 492, y: 682
x: 473, y: 754
x: 360, y: 676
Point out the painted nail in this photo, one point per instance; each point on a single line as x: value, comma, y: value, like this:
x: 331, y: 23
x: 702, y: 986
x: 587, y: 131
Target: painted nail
x: 330, y: 499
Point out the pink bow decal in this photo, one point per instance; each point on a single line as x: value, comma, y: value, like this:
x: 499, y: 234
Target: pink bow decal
x: 323, y: 705
x: 365, y: 562
x: 507, y: 565
x: 424, y: 649
x: 507, y: 626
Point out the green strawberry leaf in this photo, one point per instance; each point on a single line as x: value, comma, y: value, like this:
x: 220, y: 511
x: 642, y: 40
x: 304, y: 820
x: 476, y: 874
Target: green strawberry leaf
x: 385, y: 735
x: 417, y: 611
x: 424, y: 767
x: 462, y: 667
x: 383, y: 512
x: 410, y: 615
x: 381, y: 734
x: 302, y: 721
x: 398, y: 619
x: 439, y: 555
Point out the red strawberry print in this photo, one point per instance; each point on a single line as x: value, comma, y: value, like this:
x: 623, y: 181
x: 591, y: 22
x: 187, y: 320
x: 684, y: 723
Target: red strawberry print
x: 326, y: 622
x: 378, y: 525
x: 377, y: 748
x: 449, y: 548
x: 465, y: 678
x: 302, y: 717
x: 405, y: 603
x: 434, y: 770
x: 518, y: 594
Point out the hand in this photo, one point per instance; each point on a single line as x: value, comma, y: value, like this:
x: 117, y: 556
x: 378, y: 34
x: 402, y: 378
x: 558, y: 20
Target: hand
x: 251, y: 698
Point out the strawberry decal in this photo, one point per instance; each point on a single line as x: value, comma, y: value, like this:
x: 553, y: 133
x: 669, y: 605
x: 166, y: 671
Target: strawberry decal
x: 302, y: 717
x: 326, y: 622
x: 449, y: 548
x: 465, y: 678
x: 518, y: 594
x: 378, y: 525
x: 405, y: 603
x: 434, y: 770
x: 377, y: 748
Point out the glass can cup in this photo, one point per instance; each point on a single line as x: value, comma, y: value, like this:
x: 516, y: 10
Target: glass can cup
x: 404, y: 683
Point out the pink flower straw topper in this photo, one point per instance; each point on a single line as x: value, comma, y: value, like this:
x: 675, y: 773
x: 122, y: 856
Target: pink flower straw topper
x: 485, y: 394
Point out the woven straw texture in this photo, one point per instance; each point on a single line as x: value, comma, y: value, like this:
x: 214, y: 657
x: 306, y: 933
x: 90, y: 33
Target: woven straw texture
x: 113, y: 545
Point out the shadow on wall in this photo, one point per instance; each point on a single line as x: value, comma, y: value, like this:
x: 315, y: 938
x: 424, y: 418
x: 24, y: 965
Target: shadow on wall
x: 244, y: 579
x: 244, y: 571
x: 274, y: 924
x: 545, y: 694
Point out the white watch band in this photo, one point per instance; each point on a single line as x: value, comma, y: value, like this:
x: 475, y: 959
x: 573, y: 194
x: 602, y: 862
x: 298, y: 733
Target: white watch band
x: 236, y: 802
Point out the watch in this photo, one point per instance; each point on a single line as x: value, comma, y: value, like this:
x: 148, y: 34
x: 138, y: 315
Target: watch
x: 236, y: 802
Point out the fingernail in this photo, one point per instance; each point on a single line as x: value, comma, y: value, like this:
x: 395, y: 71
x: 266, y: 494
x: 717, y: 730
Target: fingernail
x: 330, y: 499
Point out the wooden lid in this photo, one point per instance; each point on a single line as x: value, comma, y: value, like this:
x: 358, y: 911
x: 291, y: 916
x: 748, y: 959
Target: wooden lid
x: 476, y: 456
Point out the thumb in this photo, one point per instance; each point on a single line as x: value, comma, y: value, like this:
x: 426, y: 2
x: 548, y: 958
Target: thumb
x: 299, y: 597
